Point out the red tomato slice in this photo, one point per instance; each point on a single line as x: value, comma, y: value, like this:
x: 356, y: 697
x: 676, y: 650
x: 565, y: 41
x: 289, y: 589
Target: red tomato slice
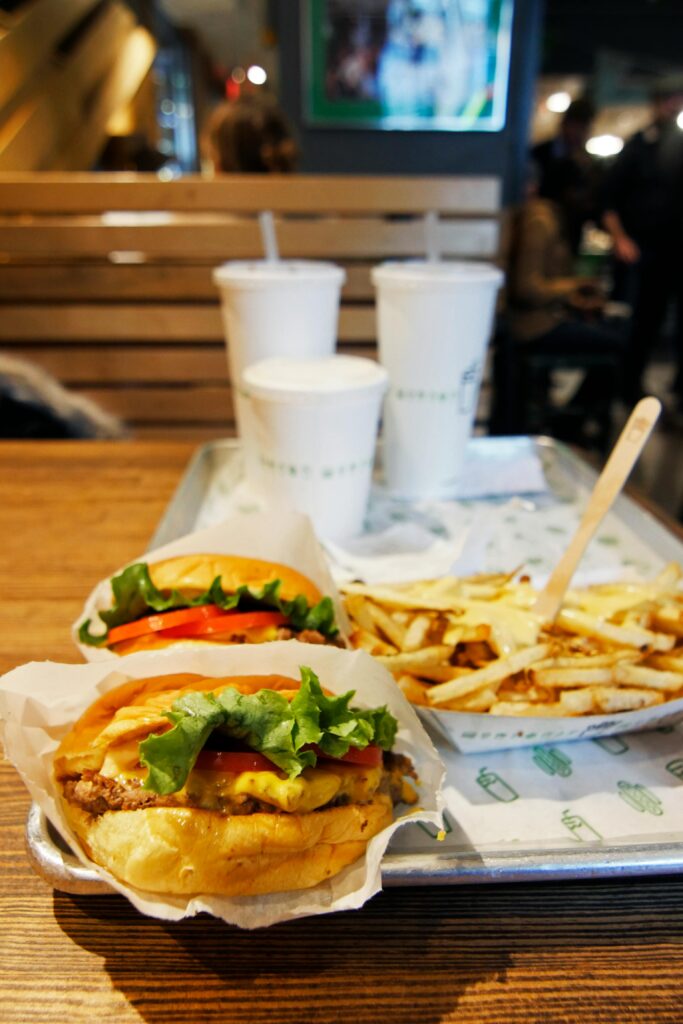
x: 370, y: 756
x: 234, y: 761
x: 159, y: 621
x: 226, y: 623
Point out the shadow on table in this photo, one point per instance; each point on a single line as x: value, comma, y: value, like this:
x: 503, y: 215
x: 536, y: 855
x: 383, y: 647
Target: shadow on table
x: 394, y: 960
x: 410, y: 955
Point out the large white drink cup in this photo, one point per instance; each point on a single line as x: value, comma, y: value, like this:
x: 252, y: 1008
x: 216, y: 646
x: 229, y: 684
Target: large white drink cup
x: 434, y: 321
x: 276, y: 308
x: 315, y: 424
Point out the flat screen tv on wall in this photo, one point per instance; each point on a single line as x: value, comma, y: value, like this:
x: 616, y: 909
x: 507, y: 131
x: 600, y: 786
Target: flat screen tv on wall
x: 435, y: 65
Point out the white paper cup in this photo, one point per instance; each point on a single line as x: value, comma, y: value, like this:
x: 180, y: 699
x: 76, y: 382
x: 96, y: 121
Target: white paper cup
x: 315, y: 427
x: 276, y: 308
x: 434, y: 322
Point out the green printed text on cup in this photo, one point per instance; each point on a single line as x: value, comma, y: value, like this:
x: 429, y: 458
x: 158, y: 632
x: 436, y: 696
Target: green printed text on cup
x: 496, y: 787
x: 640, y: 798
x: 579, y: 827
x: 552, y: 761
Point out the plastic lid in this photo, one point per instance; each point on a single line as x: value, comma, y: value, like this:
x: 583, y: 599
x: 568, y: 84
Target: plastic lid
x: 423, y: 272
x: 254, y: 273
x: 315, y: 379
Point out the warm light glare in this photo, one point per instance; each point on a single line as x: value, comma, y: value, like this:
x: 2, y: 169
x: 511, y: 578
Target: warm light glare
x: 604, y: 145
x: 679, y: 120
x: 558, y: 102
x: 238, y: 75
x: 256, y: 75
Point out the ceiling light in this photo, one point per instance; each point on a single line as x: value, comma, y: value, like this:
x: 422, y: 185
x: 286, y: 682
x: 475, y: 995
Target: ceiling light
x: 679, y: 120
x: 604, y: 145
x: 558, y: 102
x: 256, y: 74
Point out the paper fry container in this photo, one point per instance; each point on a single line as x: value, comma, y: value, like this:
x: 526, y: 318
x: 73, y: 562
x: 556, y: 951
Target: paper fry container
x: 287, y: 538
x: 40, y: 701
x: 475, y: 733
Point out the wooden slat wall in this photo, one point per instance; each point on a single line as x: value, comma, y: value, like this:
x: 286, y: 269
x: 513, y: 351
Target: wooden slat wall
x: 105, y: 281
x: 305, y: 194
x: 55, y: 104
x: 29, y: 44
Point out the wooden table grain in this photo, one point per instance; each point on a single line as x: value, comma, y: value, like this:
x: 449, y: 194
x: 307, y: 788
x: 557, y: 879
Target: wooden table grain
x: 589, y: 951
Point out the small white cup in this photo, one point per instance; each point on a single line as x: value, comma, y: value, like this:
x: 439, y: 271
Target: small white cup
x: 276, y: 308
x: 314, y: 425
x: 434, y: 321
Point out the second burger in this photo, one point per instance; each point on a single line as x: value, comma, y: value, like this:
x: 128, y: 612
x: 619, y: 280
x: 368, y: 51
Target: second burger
x: 210, y: 598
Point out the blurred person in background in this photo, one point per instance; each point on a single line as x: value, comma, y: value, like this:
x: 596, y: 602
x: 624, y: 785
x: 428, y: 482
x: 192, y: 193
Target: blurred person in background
x: 643, y: 206
x: 250, y: 135
x: 567, y: 172
x: 550, y: 309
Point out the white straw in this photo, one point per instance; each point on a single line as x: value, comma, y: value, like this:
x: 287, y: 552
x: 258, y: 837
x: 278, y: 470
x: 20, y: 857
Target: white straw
x: 431, y: 223
x: 268, y: 236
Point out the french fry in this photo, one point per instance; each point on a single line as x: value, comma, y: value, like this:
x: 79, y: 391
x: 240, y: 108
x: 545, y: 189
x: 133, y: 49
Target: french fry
x: 652, y: 678
x: 610, y: 699
x: 357, y: 607
x: 371, y: 643
x: 392, y: 630
x: 571, y: 678
x: 632, y: 636
x: 416, y: 633
x: 477, y: 702
x: 413, y: 689
x: 669, y: 620
x: 577, y: 702
x: 495, y: 672
x: 442, y: 673
x: 669, y: 662
x: 413, y: 661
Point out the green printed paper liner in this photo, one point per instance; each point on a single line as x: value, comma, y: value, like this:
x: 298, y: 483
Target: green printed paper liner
x: 613, y: 794
x: 40, y: 701
x: 285, y: 537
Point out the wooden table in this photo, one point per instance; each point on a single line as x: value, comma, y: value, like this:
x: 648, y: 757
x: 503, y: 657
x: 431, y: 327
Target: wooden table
x: 588, y: 951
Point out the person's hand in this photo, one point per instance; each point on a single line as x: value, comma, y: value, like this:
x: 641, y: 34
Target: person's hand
x: 588, y: 297
x: 625, y: 249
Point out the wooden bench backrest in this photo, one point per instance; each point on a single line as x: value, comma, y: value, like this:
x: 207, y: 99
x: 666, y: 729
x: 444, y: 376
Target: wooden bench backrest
x: 105, y: 280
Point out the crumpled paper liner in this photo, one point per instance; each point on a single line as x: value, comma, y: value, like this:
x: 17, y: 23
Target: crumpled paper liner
x: 40, y: 701
x: 285, y: 537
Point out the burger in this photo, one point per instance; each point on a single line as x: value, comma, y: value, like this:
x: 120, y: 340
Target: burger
x: 210, y: 599
x: 186, y: 785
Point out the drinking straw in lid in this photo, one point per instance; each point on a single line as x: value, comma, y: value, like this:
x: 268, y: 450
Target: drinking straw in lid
x: 431, y: 225
x: 268, y: 236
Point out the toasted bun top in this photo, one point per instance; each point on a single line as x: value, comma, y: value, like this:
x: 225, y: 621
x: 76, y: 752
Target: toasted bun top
x: 197, y: 572
x: 135, y: 709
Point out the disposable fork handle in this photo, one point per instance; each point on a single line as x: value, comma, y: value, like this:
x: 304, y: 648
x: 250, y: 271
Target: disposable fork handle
x: 608, y: 485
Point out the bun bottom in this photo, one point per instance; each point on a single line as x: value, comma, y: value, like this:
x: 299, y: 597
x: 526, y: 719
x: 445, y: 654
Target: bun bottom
x: 187, y: 852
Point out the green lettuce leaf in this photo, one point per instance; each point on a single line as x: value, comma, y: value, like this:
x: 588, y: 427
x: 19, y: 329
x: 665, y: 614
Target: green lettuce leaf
x: 134, y: 596
x: 170, y: 756
x: 266, y: 722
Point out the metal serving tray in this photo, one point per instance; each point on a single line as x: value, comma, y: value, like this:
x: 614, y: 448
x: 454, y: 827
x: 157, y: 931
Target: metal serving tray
x: 415, y: 857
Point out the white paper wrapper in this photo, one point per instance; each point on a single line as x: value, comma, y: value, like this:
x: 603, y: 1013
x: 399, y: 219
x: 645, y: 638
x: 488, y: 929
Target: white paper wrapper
x: 285, y: 537
x: 473, y: 733
x: 40, y: 701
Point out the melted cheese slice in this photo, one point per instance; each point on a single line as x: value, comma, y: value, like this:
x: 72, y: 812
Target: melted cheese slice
x: 211, y: 790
